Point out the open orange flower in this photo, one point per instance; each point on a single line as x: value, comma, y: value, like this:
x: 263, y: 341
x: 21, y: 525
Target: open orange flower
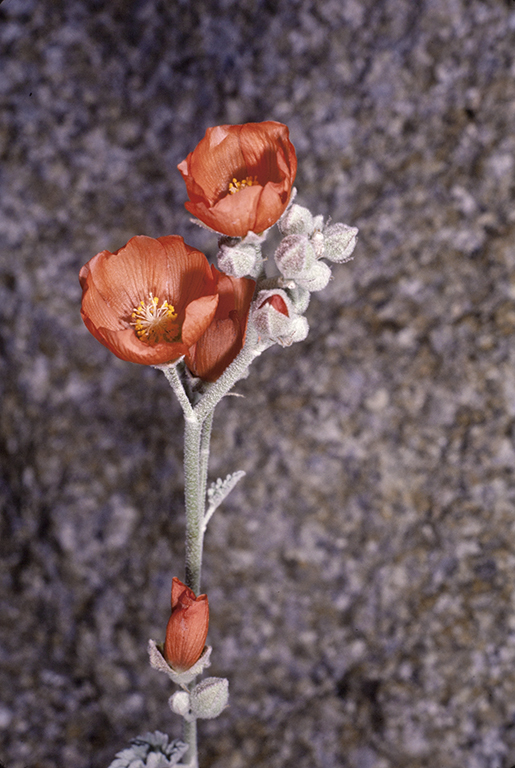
x: 187, y: 627
x: 239, y: 177
x: 154, y: 301
x: 149, y: 301
x: 224, y: 337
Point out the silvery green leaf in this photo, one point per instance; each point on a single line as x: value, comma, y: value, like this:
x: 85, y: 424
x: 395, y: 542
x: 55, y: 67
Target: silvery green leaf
x: 153, y: 750
x: 219, y: 490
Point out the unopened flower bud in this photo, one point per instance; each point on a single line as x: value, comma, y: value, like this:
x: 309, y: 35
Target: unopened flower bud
x: 296, y: 221
x: 209, y: 697
x: 239, y: 259
x: 179, y: 703
x: 187, y: 627
x: 276, y: 319
x: 316, y: 278
x: 294, y: 256
x: 339, y: 242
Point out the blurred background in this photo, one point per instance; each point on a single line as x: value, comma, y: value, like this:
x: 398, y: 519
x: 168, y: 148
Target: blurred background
x: 361, y: 577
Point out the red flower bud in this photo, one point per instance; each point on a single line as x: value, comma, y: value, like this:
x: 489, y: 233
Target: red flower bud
x: 278, y: 303
x: 187, y: 627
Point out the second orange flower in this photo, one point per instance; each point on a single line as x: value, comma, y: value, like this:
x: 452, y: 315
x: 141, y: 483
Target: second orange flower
x: 239, y: 177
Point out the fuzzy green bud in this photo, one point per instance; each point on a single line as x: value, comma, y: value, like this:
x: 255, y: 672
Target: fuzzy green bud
x: 180, y: 703
x: 239, y: 259
x: 339, y: 242
x: 295, y: 256
x: 316, y: 278
x: 296, y: 221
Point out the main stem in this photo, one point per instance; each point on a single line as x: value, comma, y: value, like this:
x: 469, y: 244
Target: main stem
x: 195, y: 500
x: 197, y: 436
x: 190, y: 737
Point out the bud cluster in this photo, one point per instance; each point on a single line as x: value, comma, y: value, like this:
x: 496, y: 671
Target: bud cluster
x: 279, y: 303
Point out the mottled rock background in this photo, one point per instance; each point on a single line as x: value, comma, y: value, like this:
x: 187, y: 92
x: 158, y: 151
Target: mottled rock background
x: 362, y: 576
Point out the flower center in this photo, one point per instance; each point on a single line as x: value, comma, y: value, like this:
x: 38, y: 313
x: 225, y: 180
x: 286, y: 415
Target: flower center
x: 235, y: 186
x: 153, y: 323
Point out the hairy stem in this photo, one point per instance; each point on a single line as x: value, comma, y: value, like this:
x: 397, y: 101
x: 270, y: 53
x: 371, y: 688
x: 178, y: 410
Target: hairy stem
x: 170, y: 371
x: 194, y: 501
x: 190, y: 737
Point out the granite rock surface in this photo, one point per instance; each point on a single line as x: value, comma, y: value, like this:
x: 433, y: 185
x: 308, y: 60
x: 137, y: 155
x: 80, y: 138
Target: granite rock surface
x: 361, y: 577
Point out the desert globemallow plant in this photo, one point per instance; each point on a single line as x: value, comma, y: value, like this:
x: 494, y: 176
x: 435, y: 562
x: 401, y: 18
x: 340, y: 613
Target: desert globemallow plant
x: 158, y: 302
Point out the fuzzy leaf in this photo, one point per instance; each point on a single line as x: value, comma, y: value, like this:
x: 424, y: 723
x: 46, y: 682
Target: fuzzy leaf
x: 220, y: 489
x: 153, y: 750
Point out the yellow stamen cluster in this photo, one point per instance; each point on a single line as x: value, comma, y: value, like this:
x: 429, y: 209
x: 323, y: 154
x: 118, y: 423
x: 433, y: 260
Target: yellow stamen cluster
x: 153, y: 323
x: 235, y: 186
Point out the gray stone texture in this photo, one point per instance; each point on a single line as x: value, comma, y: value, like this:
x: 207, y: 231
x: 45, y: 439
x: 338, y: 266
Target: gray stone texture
x: 362, y: 575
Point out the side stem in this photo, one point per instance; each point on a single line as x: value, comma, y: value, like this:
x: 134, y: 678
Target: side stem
x: 205, y: 442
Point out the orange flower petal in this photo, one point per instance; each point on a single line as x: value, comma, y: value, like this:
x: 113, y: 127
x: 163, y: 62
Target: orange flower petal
x: 217, y: 348
x: 177, y: 590
x: 209, y: 165
x: 235, y: 293
x: 126, y: 345
x: 186, y: 275
x: 94, y: 304
x: 267, y: 150
x: 224, y: 338
x: 198, y: 316
x: 234, y: 215
x: 124, y: 277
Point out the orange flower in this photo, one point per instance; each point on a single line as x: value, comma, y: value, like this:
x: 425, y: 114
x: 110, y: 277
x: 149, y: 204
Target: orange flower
x: 239, y: 177
x: 149, y: 301
x: 186, y: 631
x: 154, y: 301
x: 223, y: 339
